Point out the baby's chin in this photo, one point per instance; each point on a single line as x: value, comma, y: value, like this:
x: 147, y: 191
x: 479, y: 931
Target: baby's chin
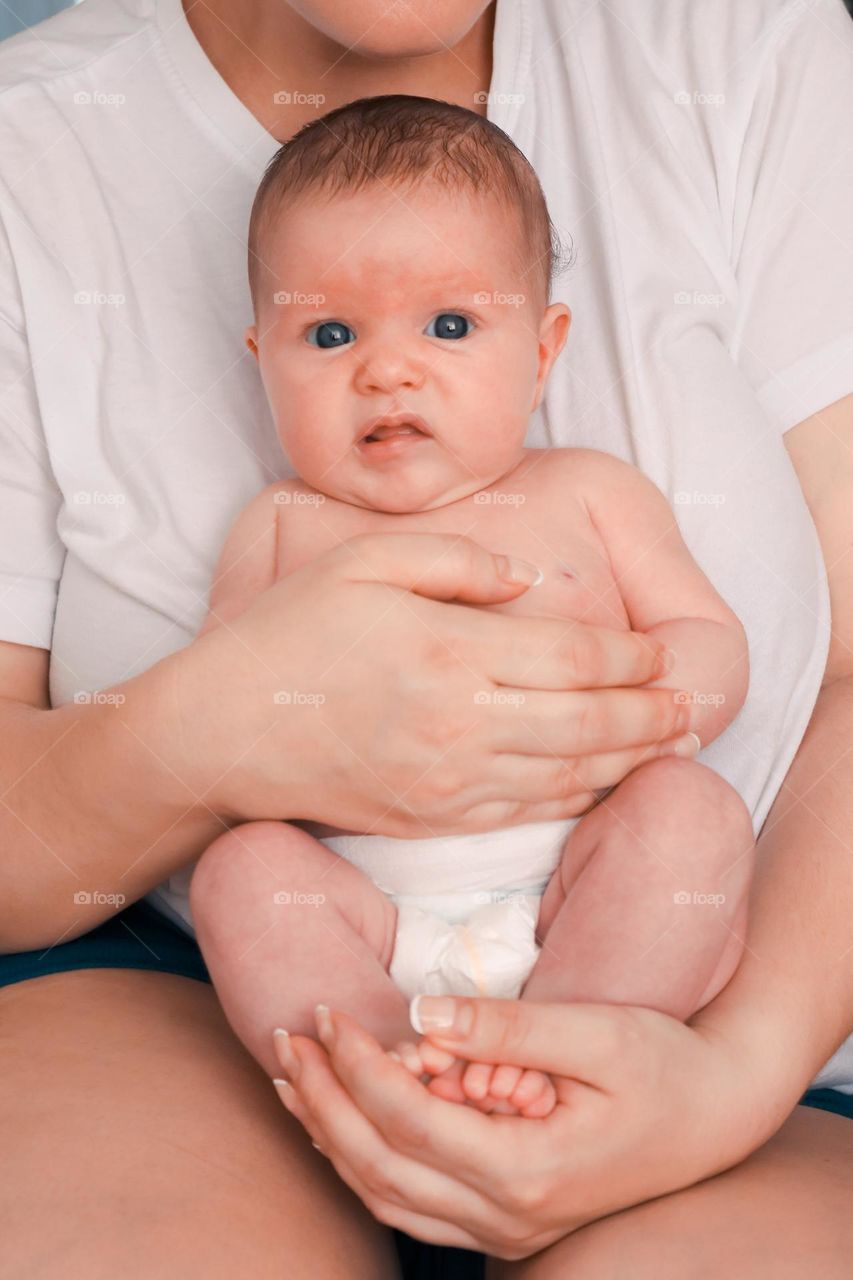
x: 398, y: 497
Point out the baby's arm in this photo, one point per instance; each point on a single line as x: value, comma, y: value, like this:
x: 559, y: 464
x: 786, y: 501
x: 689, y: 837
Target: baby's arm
x: 248, y: 561
x: 666, y: 594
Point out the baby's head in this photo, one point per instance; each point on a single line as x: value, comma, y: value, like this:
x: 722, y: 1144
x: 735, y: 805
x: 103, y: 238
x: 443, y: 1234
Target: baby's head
x: 400, y: 261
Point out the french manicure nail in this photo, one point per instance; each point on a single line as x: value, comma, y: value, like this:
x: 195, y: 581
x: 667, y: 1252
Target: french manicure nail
x: 325, y: 1030
x: 686, y: 746
x: 666, y: 662
x: 285, y: 1091
x: 514, y: 570
x: 440, y: 1013
x: 284, y: 1052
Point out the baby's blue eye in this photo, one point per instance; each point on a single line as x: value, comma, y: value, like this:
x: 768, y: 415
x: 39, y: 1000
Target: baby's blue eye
x: 331, y: 333
x: 449, y: 324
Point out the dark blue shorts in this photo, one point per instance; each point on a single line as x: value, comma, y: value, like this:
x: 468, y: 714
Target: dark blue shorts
x: 140, y: 938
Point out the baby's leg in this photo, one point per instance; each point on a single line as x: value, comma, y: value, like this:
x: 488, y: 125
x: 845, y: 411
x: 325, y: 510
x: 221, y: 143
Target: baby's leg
x: 285, y: 924
x: 648, y: 906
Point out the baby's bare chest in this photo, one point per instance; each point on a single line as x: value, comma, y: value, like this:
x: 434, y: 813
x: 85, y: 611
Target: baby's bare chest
x: 556, y: 535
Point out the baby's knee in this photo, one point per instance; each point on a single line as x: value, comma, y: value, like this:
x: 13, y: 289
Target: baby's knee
x: 695, y: 797
x: 253, y: 862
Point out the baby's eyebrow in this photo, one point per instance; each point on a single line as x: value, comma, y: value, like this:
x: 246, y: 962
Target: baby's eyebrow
x: 431, y: 287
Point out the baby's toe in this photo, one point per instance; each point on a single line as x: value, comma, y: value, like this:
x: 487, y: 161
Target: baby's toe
x: 434, y: 1060
x: 534, y: 1095
x: 477, y: 1079
x: 541, y: 1106
x: 449, y: 1084
x: 504, y: 1080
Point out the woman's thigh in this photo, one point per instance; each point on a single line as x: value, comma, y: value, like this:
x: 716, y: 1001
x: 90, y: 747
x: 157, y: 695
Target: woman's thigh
x: 140, y: 1140
x: 783, y: 1214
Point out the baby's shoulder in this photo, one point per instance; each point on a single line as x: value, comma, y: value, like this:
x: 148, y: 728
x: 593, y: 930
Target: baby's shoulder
x: 584, y: 470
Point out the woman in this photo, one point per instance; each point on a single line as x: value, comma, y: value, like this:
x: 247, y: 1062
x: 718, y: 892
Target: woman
x: 709, y: 221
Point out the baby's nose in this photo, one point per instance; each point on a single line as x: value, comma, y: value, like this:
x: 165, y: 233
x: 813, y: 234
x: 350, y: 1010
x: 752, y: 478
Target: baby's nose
x: 389, y: 371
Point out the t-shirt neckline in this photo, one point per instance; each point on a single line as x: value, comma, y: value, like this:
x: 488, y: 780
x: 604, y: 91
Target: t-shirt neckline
x: 510, y: 58
x: 212, y: 93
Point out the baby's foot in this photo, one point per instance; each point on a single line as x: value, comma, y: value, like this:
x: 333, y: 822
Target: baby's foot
x: 503, y: 1089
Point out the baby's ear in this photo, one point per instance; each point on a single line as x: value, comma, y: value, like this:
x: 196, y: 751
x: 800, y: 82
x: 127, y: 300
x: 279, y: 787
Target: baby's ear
x: 553, y: 331
x: 251, y: 339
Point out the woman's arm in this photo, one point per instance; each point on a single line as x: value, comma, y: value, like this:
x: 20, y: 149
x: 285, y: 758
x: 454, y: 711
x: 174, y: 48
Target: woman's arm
x: 790, y: 1003
x: 121, y: 816
x: 792, y: 996
x: 92, y: 815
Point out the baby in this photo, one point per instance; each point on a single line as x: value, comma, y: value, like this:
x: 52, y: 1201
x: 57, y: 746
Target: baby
x: 401, y: 260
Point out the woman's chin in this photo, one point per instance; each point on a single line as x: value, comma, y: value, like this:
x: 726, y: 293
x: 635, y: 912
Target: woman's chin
x: 417, y: 30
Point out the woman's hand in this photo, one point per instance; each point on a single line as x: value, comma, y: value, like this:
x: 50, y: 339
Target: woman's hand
x: 646, y: 1105
x: 357, y: 691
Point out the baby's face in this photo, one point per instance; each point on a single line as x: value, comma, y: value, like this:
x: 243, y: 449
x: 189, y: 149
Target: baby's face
x: 411, y: 306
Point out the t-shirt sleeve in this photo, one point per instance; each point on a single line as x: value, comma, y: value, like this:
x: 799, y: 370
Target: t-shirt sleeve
x: 793, y: 217
x: 31, y: 552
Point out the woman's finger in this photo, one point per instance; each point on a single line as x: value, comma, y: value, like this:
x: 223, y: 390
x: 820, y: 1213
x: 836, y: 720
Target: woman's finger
x: 584, y: 721
x: 553, y: 653
x: 539, y: 778
x: 589, y: 1043
x: 376, y: 1170
x: 442, y: 566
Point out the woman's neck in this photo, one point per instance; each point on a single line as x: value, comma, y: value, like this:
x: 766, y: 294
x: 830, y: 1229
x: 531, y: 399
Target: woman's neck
x: 263, y: 48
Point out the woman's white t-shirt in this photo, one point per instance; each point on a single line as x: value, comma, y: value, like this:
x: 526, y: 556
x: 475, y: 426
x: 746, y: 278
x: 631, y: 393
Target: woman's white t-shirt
x: 695, y: 155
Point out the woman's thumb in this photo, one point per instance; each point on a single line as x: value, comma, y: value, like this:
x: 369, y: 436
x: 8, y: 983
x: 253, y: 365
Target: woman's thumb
x: 576, y: 1040
x: 442, y: 566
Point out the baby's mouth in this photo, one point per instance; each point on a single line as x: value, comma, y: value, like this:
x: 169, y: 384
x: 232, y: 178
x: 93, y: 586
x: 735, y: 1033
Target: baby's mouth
x: 384, y: 433
x: 393, y: 426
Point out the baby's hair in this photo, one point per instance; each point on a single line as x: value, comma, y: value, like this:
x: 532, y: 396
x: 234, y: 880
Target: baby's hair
x: 397, y: 140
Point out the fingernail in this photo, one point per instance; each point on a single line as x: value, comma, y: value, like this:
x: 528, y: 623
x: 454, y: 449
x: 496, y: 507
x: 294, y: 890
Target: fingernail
x: 325, y: 1030
x: 440, y: 1013
x: 285, y: 1091
x: 687, y: 746
x: 284, y: 1052
x: 514, y: 570
x: 666, y: 662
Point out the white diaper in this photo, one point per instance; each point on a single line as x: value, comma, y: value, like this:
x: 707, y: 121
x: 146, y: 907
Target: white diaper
x: 467, y: 905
